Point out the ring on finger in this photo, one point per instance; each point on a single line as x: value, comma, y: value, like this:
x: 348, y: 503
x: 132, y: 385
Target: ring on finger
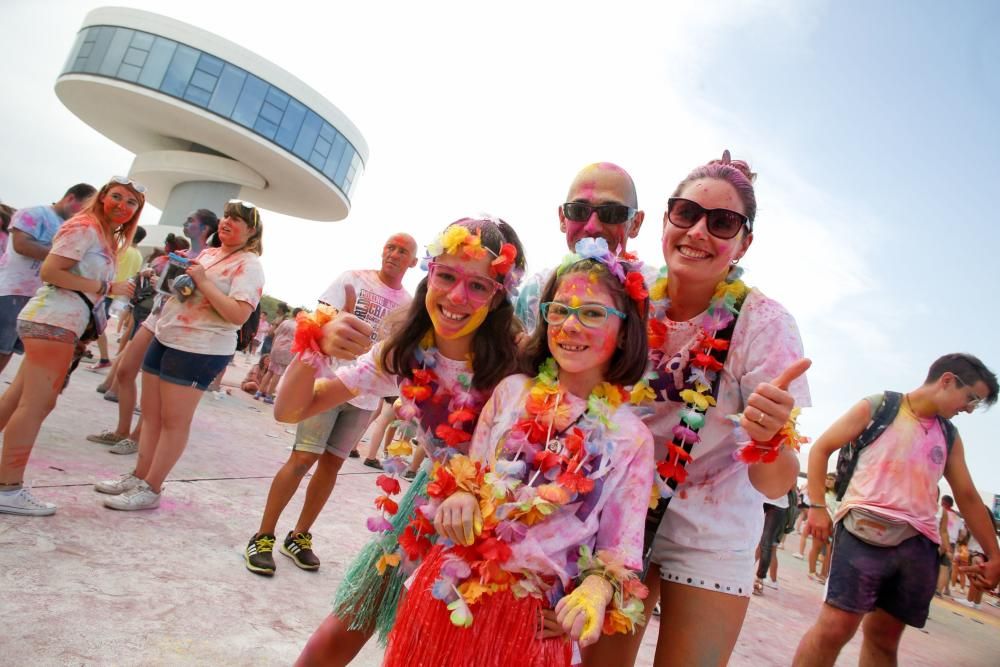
x: 760, y: 418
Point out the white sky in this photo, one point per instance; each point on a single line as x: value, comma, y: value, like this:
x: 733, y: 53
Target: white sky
x: 472, y: 109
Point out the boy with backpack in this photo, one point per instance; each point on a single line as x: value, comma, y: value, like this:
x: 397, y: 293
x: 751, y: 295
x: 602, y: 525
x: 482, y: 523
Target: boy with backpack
x: 895, y: 448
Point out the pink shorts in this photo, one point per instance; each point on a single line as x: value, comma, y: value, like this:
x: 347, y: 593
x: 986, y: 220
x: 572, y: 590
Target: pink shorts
x: 277, y: 369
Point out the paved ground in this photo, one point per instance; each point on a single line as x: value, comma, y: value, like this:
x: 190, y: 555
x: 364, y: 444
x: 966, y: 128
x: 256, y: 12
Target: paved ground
x: 90, y: 586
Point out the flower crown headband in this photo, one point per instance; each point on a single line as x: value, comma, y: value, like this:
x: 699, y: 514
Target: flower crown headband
x: 457, y: 240
x: 596, y: 249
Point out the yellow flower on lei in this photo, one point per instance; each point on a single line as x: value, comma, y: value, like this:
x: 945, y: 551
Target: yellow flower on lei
x: 608, y: 392
x: 699, y: 401
x: 736, y: 289
x: 464, y: 472
x: 658, y: 291
x: 401, y: 447
x: 386, y: 561
x: 641, y: 393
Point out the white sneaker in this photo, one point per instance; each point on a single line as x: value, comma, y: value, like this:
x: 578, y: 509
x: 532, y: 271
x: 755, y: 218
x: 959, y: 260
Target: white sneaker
x: 799, y: 556
x: 125, y: 446
x: 125, y: 482
x: 140, y: 497
x: 22, y: 502
x: 771, y: 584
x: 970, y: 605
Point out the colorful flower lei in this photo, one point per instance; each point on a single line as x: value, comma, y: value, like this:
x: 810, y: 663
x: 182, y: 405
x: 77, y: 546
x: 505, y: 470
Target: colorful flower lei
x: 691, y: 374
x: 597, y: 249
x: 457, y: 240
x: 766, y: 452
x: 447, y: 415
x: 308, y: 334
x: 566, y: 456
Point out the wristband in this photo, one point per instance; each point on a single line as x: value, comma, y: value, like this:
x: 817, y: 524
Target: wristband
x: 818, y: 507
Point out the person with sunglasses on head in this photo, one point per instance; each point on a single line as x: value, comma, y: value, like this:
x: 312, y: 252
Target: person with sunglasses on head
x: 601, y: 203
x: 195, y: 338
x: 31, y: 232
x: 78, y: 271
x: 326, y: 439
x: 887, y: 536
x: 443, y: 360
x: 717, y: 348
x: 201, y: 227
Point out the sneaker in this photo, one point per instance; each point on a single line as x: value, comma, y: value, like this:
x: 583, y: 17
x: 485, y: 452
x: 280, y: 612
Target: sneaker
x: 758, y: 587
x: 102, y: 388
x: 268, y: 399
x: 22, y: 502
x: 298, y: 547
x: 106, y: 437
x: 258, y: 556
x: 656, y: 609
x: 410, y: 474
x: 125, y: 482
x: 373, y: 463
x: 770, y: 583
x: 101, y: 365
x: 799, y: 556
x: 354, y: 454
x: 970, y: 605
x: 111, y: 396
x: 139, y: 497
x: 125, y: 446
x: 257, y: 396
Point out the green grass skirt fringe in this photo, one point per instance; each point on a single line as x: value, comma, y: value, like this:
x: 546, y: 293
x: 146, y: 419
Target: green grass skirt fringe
x: 366, y: 600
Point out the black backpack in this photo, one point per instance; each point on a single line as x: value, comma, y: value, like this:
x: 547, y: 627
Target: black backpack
x: 249, y: 329
x: 885, y: 413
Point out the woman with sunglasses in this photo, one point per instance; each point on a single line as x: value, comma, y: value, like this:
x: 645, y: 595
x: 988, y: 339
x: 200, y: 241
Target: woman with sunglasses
x: 717, y: 348
x: 195, y: 338
x: 77, y: 273
x: 455, y: 344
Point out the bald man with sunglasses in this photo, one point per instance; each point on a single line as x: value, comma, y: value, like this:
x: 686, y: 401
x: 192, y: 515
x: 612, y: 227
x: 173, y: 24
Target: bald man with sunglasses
x: 601, y: 203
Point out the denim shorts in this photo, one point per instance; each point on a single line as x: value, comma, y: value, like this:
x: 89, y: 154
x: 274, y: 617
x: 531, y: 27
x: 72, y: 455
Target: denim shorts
x: 336, y: 431
x: 187, y: 369
x: 10, y: 307
x: 899, y: 580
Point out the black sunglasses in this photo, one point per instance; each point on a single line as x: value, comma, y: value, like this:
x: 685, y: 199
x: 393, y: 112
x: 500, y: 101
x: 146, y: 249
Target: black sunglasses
x: 721, y: 222
x: 608, y: 214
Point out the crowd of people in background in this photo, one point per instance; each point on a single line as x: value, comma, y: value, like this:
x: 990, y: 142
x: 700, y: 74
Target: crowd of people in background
x: 581, y: 449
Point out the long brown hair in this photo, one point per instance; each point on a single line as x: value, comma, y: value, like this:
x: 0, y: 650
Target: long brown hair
x: 120, y: 238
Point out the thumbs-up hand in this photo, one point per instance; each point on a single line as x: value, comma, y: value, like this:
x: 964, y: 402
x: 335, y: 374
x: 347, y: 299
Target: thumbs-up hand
x: 770, y: 405
x: 346, y: 336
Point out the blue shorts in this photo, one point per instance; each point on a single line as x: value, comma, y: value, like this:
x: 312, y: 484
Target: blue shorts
x: 188, y: 369
x: 899, y: 580
x: 10, y: 307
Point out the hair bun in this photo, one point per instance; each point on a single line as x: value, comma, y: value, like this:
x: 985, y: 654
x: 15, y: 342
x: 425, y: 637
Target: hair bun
x: 739, y: 165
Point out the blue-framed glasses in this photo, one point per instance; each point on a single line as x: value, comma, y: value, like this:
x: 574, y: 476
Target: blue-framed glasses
x: 590, y: 315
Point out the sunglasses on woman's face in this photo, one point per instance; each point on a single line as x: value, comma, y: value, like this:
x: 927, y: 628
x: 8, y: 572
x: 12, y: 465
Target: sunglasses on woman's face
x: 608, y: 214
x: 720, y: 222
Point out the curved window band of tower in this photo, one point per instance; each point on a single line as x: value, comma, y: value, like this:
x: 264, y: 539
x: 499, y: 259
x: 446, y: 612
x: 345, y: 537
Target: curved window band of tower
x: 207, y: 82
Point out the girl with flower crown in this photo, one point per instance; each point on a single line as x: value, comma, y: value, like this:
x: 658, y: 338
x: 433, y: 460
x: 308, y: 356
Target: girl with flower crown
x: 724, y: 375
x: 455, y: 344
x: 546, y: 512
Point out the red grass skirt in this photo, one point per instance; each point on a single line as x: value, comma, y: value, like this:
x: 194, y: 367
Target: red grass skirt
x: 503, y: 633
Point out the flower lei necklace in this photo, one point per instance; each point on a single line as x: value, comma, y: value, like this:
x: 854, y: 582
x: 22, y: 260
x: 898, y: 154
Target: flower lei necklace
x: 447, y: 414
x: 548, y: 460
x: 693, y: 376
